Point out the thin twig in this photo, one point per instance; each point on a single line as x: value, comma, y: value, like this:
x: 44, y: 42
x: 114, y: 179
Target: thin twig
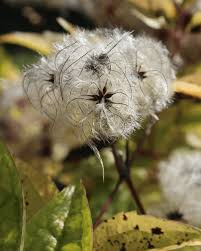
x: 146, y: 134
x: 120, y: 166
x: 135, y: 195
x: 107, y: 203
x: 129, y: 181
x: 127, y: 161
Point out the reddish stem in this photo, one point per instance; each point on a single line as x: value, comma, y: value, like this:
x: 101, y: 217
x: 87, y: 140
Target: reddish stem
x: 126, y: 177
x: 107, y: 203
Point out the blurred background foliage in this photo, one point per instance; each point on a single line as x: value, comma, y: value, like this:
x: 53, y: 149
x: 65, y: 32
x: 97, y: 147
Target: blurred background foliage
x: 27, y: 30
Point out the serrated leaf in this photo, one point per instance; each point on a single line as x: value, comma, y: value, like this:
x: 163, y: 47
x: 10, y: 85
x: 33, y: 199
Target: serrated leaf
x: 12, y: 213
x: 132, y: 232
x: 38, y: 188
x: 63, y: 224
x: 30, y: 40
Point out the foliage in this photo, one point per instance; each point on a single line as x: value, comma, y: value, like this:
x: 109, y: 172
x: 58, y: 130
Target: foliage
x: 64, y: 222
x: 12, y: 205
x: 129, y: 231
x: 34, y: 214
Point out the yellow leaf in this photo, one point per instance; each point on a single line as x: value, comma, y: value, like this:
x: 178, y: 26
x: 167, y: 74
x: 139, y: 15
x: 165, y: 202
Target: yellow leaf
x: 155, y: 23
x: 38, y: 188
x: 132, y: 232
x: 67, y: 26
x: 195, y: 21
x: 189, y: 85
x: 8, y: 69
x: 32, y: 41
x: 148, y: 6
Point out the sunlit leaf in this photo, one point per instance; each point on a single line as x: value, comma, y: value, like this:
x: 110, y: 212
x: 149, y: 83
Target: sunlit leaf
x: 195, y: 21
x: 154, y: 6
x: 187, y: 3
x: 189, y: 85
x: 32, y: 41
x: 63, y: 224
x: 12, y: 213
x: 38, y: 189
x: 67, y: 26
x: 155, y: 23
x: 132, y: 232
x: 8, y: 69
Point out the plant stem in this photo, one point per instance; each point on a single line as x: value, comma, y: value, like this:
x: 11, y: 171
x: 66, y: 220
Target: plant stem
x: 127, y: 161
x: 125, y: 176
x: 135, y: 195
x: 107, y: 203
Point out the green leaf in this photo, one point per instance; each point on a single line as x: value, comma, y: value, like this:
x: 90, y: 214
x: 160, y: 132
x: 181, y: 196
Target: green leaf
x: 12, y: 213
x: 64, y: 224
x: 132, y: 232
x: 38, y: 188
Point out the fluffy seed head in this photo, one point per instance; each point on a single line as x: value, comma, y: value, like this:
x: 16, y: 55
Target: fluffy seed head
x: 153, y: 74
x: 180, y: 179
x: 101, y: 83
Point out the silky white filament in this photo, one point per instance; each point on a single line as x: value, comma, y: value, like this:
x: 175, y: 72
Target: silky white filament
x: 101, y: 83
x: 180, y: 179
